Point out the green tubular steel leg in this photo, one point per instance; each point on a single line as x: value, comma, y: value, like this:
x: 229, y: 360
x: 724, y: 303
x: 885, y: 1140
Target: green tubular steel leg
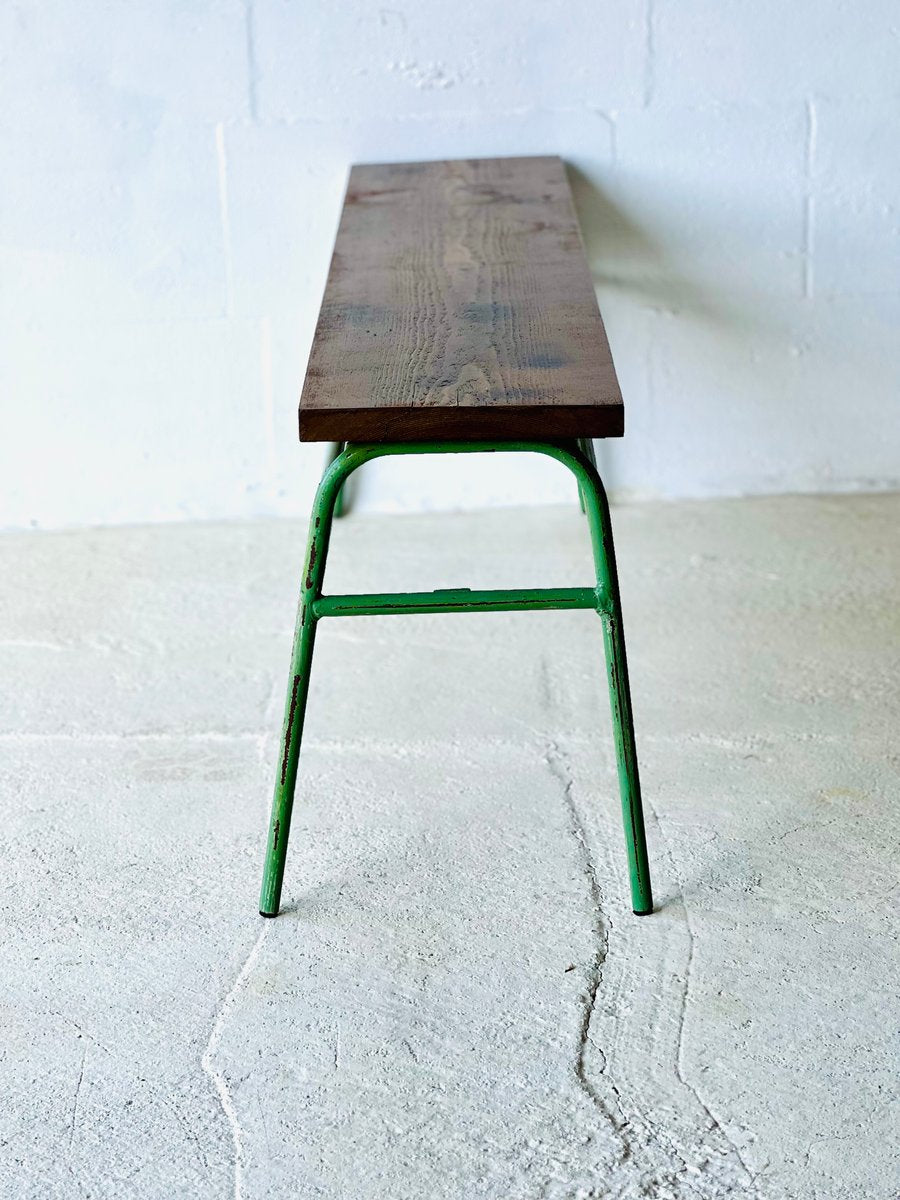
x: 335, y: 450
x: 619, y: 696
x: 605, y: 598
x: 586, y: 447
x: 582, y: 446
x: 324, y: 507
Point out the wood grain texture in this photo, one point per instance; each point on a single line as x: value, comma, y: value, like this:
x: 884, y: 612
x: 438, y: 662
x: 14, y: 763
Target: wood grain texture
x: 459, y: 304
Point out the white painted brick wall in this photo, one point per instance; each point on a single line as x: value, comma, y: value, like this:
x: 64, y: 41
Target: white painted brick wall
x: 171, y: 177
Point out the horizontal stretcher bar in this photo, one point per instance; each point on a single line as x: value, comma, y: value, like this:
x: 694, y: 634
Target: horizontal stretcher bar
x: 456, y: 600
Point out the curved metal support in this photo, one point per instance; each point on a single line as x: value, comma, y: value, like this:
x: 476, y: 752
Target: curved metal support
x: 312, y: 608
x: 355, y: 454
x: 586, y: 446
x: 335, y: 450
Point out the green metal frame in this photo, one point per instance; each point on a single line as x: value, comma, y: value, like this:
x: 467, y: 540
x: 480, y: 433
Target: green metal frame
x: 335, y: 450
x: 603, y: 598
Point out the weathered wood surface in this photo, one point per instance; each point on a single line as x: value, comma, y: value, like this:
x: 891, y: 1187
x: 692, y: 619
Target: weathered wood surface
x: 459, y: 304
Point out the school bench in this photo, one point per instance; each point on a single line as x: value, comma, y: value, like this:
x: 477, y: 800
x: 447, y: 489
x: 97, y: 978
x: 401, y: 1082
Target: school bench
x: 459, y: 317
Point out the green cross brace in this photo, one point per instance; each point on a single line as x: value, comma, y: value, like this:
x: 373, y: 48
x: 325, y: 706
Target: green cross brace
x: 603, y: 598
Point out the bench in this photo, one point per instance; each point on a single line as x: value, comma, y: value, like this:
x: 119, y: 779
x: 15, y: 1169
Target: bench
x: 459, y: 316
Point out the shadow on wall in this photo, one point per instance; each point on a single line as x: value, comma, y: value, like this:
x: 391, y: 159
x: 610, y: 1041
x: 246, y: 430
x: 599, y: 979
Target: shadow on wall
x: 626, y: 258
x: 634, y: 262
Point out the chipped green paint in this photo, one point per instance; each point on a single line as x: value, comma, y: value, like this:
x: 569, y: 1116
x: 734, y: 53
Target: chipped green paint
x: 603, y: 598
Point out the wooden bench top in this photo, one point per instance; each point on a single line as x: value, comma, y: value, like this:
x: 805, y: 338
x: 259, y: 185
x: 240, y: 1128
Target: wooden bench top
x: 459, y: 305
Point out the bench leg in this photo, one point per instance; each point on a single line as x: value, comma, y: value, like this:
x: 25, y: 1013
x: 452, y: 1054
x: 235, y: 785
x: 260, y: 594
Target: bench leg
x: 324, y: 508
x: 586, y: 446
x: 335, y: 450
x: 619, y: 693
x: 581, y: 444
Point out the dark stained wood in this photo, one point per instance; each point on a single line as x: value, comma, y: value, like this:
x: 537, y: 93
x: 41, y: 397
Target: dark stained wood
x: 459, y: 305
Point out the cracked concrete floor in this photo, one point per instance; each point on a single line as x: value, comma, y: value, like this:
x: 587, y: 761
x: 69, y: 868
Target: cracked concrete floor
x: 457, y: 1002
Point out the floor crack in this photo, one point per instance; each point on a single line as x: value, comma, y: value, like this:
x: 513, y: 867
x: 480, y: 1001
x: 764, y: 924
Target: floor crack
x: 217, y: 1077
x: 73, y: 1120
x: 559, y: 768
x: 685, y: 993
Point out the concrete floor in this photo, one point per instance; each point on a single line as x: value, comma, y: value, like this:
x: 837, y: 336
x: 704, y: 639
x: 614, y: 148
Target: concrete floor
x: 457, y: 1002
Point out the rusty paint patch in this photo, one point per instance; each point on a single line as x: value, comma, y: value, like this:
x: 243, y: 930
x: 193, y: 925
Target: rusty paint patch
x: 275, y: 832
x: 292, y: 712
x: 313, y: 555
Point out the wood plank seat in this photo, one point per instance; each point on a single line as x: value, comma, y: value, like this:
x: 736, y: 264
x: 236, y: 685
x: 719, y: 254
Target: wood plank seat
x: 459, y: 305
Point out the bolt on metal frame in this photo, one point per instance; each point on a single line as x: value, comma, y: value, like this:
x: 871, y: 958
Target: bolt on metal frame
x: 314, y: 606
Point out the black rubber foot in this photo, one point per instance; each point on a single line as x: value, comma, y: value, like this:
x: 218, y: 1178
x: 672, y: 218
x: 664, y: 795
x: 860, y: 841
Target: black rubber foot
x: 644, y: 912
x: 262, y: 914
